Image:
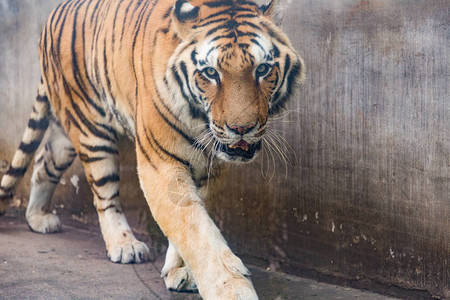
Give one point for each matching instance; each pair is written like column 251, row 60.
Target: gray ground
column 73, row 265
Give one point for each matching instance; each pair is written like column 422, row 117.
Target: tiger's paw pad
column 129, row 252
column 180, row 280
column 44, row 223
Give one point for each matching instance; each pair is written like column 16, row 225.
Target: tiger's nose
column 238, row 129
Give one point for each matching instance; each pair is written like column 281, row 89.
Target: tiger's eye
column 262, row 70
column 211, row 72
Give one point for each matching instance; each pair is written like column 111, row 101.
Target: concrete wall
column 366, row 198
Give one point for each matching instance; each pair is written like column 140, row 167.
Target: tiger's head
column 234, row 68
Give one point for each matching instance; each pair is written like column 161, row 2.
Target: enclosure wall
column 364, row 192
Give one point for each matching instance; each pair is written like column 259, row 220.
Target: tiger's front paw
column 180, row 280
column 238, row 289
column 231, row 280
column 129, row 252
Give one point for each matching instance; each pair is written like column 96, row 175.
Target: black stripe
column 290, row 85
column 41, row 124
column 71, row 118
column 254, row 41
column 83, row 34
column 275, row 81
column 273, row 34
column 49, row 173
column 287, row 65
column 125, row 21
column 107, row 179
column 250, row 3
column 223, row 12
column 94, row 11
column 180, row 83
column 152, row 144
column 63, row 167
column 137, row 29
column 146, row 155
column 275, row 51
column 186, row 163
column 43, row 98
column 168, row 13
column 228, row 36
column 29, row 148
column 138, row 22
column 86, row 159
column 16, row 172
column 54, row 181
column 76, row 68
column 246, row 33
column 213, row 4
column 108, row 207
column 194, row 57
column 114, row 24
column 97, row 28
column 210, row 22
column 209, row 52
column 106, row 72
column 144, row 37
column 115, row 195
column 247, row 16
column 232, row 13
column 198, row 87
column 94, row 130
column 136, row 7
column 186, row 77
column 251, row 25
column 106, row 149
column 217, row 28
column 231, row 25
column 183, row 134
column 109, row 129
column 61, row 29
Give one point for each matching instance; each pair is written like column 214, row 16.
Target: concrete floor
column 73, row 265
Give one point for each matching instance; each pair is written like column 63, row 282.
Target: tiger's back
column 88, row 51
column 194, row 85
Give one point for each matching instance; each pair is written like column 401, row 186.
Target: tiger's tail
column 32, row 137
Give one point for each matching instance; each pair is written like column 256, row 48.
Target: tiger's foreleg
column 219, row 274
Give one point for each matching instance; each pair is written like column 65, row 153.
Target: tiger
column 193, row 84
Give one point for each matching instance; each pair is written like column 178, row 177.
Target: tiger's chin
column 239, row 152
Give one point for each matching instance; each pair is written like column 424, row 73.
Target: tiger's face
column 236, row 70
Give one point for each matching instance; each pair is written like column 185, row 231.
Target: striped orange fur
column 192, row 83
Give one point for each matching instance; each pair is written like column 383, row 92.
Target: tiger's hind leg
column 100, row 159
column 50, row 164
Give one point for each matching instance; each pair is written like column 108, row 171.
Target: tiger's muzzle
column 240, row 143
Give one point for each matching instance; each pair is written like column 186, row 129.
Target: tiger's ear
column 185, row 15
column 274, row 10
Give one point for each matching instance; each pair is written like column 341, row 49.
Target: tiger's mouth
column 241, row 150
